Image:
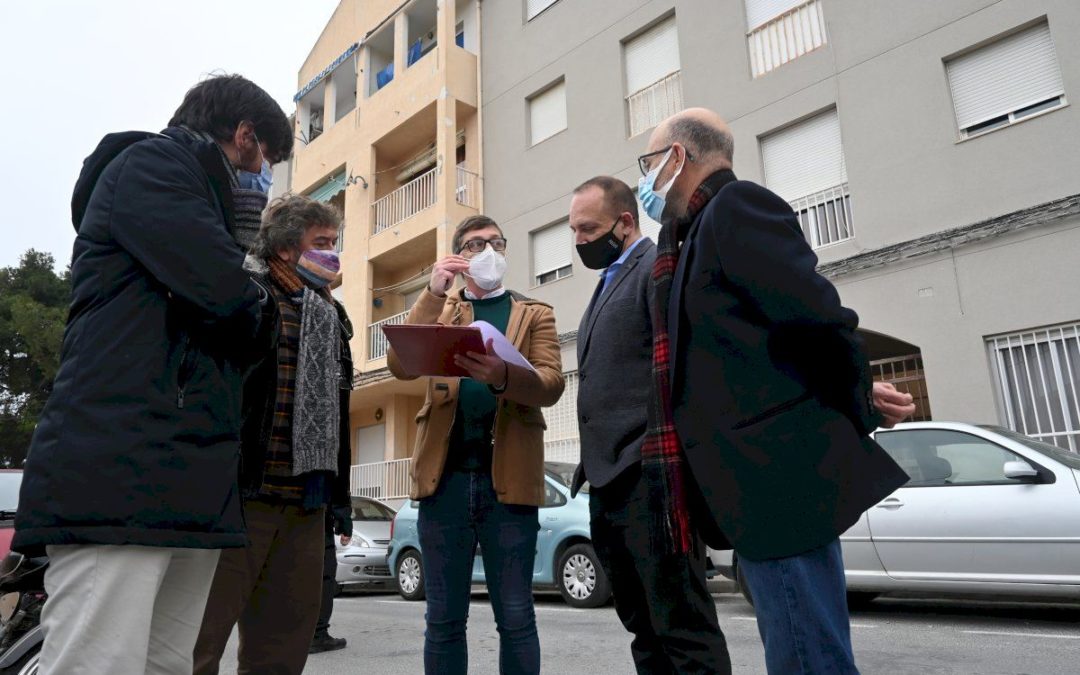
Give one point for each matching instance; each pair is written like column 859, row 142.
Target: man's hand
column 488, row 368
column 343, row 523
column 895, row 405
column 443, row 273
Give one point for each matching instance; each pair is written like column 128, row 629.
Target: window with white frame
column 1006, row 81
column 779, row 31
column 1037, row 374
column 534, row 7
column 552, row 253
column 547, row 113
column 562, row 439
column 804, row 164
column 653, row 83
column 649, row 227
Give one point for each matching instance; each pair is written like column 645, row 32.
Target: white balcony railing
column 825, row 216
column 468, row 188
column 377, row 342
column 404, row 202
column 787, row 37
column 381, row 480
column 655, row 103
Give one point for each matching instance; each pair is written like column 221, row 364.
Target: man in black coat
column 770, row 391
column 130, row 485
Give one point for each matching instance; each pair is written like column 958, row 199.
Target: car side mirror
column 1021, row 471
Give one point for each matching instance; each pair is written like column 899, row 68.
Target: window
column 1006, row 81
column 551, row 252
column 779, row 31
column 534, row 7
column 1037, row 375
column 562, row 438
column 552, row 496
column 936, row 457
column 804, row 164
column 547, row 113
column 653, row 85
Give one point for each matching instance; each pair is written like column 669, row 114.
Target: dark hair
column 471, row 224
column 704, row 141
column 617, row 194
column 287, row 219
column 218, row 105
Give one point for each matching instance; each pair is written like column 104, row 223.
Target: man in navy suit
column 771, row 397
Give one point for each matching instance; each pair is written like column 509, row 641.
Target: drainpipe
column 480, row 101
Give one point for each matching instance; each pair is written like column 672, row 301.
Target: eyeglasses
column 643, row 160
column 498, row 244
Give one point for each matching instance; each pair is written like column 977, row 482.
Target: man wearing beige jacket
column 478, row 465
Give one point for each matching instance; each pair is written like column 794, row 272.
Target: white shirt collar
column 469, row 295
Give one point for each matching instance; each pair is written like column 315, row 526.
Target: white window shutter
column 649, row 227
column 534, row 7
column 760, row 12
column 652, row 56
column 805, row 158
column 547, row 113
column 551, row 249
column 1010, row 74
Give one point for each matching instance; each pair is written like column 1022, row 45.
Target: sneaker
column 322, row 642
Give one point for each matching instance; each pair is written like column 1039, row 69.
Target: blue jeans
column 802, row 612
column 463, row 512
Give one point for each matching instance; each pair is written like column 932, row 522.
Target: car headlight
column 358, row 540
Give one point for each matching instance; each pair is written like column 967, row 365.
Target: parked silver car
column 363, row 561
column 987, row 511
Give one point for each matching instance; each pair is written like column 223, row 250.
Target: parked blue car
column 564, row 554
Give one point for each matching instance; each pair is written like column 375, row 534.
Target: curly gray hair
column 286, row 220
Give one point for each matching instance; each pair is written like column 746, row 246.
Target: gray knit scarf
column 317, row 406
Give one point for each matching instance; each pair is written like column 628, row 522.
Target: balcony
column 786, row 37
column 405, row 202
column 468, row 188
column 825, row 216
column 381, row 480
column 655, row 103
column 377, row 342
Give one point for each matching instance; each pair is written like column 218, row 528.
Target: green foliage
column 33, row 309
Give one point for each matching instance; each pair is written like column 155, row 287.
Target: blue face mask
column 256, row 181
column 653, row 200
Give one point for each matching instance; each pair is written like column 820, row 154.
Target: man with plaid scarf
column 762, row 401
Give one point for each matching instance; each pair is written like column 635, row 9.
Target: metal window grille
column 381, row 480
column 825, row 217
column 655, row 103
column 561, row 440
column 1038, row 376
column 786, row 37
column 468, row 188
column 907, row 375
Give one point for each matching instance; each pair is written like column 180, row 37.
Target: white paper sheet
column 503, row 347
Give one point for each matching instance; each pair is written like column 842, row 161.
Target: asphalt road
column 893, row 636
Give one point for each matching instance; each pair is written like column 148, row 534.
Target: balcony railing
column 381, row 480
column 404, row 202
column 655, row 103
column 825, row 216
column 377, row 342
column 468, row 188
column 787, row 37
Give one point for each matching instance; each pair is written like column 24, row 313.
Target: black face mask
column 601, row 252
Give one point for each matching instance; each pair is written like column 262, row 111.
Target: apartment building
column 387, row 123
column 929, row 149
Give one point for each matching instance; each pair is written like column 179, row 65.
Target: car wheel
column 410, row 576
column 740, row 580
column 581, row 580
column 27, row 665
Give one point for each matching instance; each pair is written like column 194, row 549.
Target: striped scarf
column 662, row 461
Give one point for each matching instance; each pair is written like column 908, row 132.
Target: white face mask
column 487, row 269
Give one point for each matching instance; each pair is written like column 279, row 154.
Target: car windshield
column 9, row 491
column 563, row 472
column 364, row 509
column 1069, row 459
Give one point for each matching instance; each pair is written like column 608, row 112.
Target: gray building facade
column 930, row 149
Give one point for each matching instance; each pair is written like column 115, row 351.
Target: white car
column 987, row 511
column 363, row 561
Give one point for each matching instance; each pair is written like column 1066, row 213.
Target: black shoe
column 322, row 642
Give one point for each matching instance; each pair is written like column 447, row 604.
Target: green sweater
column 471, row 437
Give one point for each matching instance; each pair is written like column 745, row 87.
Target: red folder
column 430, row 349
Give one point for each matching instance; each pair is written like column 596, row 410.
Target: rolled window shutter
column 547, row 113
column 805, row 158
column 534, row 7
column 652, row 56
column 1003, row 77
column 551, row 249
column 760, row 12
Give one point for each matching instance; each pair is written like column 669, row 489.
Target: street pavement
column 893, row 635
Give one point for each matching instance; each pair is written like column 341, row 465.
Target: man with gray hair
column 762, row 401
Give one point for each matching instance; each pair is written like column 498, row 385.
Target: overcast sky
column 75, row 70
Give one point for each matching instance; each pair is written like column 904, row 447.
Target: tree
column 33, row 308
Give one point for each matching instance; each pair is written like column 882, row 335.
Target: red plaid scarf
column 662, row 460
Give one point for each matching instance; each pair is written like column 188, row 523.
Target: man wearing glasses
column 478, row 464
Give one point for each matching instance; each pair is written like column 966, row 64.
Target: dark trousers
column 271, row 587
column 661, row 598
column 462, row 513
column 329, row 578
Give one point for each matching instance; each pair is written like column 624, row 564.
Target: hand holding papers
column 503, row 347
